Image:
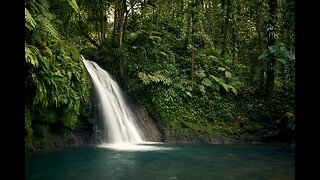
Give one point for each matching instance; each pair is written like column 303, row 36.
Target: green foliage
column 30, row 22
column 74, row 5
column 157, row 55
column 281, row 54
column 280, row 51
column 47, row 27
column 28, row 130
column 69, row 120
column 221, row 82
column 154, row 77
column 55, row 75
column 31, row 55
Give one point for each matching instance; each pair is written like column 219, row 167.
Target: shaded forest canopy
column 199, row 66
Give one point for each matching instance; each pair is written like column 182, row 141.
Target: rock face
column 214, row 138
column 150, row 127
column 283, row 130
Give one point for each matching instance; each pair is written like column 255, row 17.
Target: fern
column 49, row 28
column 43, row 5
column 30, row 23
column 53, row 67
column 30, row 55
column 154, row 77
column 74, row 5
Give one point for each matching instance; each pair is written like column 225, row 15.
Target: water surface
column 164, row 161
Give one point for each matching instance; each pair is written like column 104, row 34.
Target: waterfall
column 119, row 122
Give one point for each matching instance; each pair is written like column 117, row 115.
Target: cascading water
column 119, row 123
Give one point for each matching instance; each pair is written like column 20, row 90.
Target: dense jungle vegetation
column 199, row 66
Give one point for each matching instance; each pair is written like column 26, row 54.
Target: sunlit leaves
column 188, row 93
column 221, row 69
column 227, row 74
column 31, row 55
column 74, row 5
column 200, row 73
column 202, row 89
column 155, row 39
column 30, row 23
column 154, row 77
column 206, row 82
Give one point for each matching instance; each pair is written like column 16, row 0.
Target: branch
column 86, row 35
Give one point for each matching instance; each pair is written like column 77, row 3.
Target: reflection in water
column 134, row 147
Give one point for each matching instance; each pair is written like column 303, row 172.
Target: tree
column 121, row 12
column 271, row 34
column 225, row 25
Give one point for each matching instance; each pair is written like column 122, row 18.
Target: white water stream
column 119, row 123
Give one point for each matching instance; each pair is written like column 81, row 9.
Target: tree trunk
column 123, row 10
column 142, row 8
column 271, row 41
column 102, row 21
column 159, row 6
column 120, row 15
column 222, row 22
column 234, row 33
column 192, row 21
column 192, row 64
column 225, row 30
column 270, row 82
column 258, row 28
column 115, row 32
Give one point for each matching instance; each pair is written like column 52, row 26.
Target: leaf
column 264, row 55
column 74, row 5
column 49, row 28
column 202, row 89
column 30, row 23
column 155, row 39
column 227, row 74
column 225, row 87
column 218, row 80
column 216, row 87
column 31, row 53
column 213, row 58
column 163, row 53
column 273, row 49
column 289, row 55
column 221, row 68
column 189, row 93
column 234, row 90
column 283, row 61
column 261, row 69
column 145, row 79
column 207, row 82
column 200, row 73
